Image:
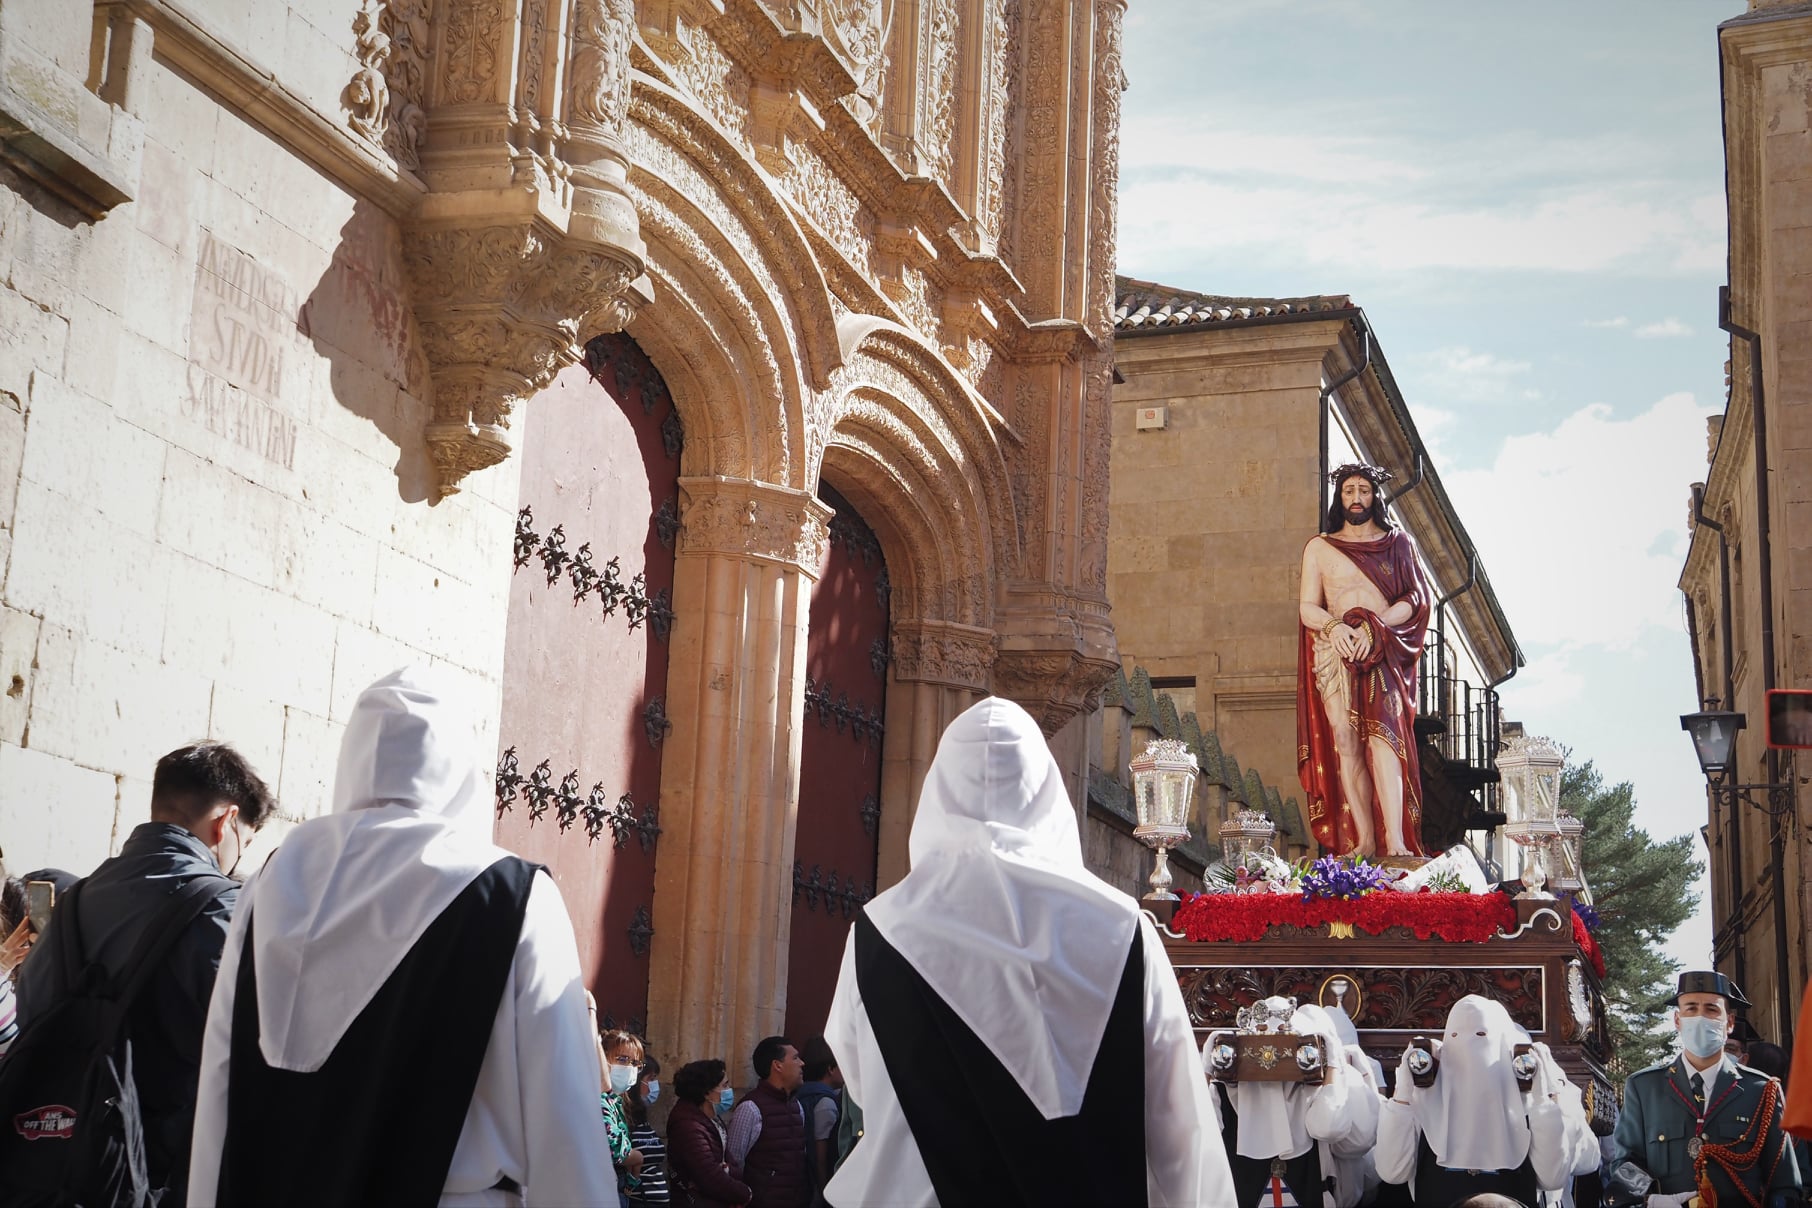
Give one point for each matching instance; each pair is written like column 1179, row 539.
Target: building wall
column 212, row 483
column 1768, row 141
column 1208, row 520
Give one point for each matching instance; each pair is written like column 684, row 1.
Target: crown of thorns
column 1376, row 475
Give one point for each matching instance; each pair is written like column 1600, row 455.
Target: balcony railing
column 1461, row 720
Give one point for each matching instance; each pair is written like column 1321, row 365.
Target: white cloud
column 1192, row 188
column 1667, row 328
column 1583, row 528
column 1619, row 321
column 1459, row 373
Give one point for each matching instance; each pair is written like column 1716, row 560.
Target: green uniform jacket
column 1657, row 1121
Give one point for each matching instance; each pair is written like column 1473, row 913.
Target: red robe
column 1383, row 694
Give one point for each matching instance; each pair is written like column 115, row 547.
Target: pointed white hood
column 1474, row 1116
column 999, row 915
column 345, row 898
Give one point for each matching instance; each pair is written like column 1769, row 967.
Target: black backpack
column 71, row 1132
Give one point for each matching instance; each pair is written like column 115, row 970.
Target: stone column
column 939, row 669
column 748, row 555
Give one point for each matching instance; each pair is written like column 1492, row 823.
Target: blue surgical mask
column 622, row 1077
column 654, row 1092
column 726, row 1099
column 1702, row 1036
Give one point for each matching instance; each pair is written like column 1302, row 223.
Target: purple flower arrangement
column 1586, row 914
column 1347, row 880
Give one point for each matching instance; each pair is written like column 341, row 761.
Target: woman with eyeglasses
column 622, row 1065
column 696, row 1171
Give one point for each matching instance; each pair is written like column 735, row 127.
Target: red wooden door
column 840, row 763
column 585, row 659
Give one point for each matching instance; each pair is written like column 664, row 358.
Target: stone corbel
column 898, row 247
column 668, row 24
column 780, row 117
column 755, row 521
column 1052, row 685
column 967, row 319
column 521, row 252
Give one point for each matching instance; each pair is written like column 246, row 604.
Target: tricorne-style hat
column 1705, row 981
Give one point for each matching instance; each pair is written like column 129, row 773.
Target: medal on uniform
column 1278, row 1166
column 1694, row 1145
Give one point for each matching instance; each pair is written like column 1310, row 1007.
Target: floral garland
column 1455, row 917
column 1586, row 941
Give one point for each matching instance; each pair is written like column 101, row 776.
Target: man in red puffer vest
column 767, row 1130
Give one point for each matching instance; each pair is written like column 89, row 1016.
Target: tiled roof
column 1146, row 304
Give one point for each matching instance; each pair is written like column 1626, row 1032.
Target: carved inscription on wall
column 241, row 343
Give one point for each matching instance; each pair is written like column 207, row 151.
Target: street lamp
column 1531, row 768
column 1714, row 734
column 1164, row 777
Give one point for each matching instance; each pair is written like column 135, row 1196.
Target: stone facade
column 281, row 280
column 1218, row 486
column 1748, row 575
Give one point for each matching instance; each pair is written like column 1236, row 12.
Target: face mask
column 726, row 1099
column 654, row 1093
column 1702, row 1036
column 622, row 1077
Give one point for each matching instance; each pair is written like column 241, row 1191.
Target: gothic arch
column 741, row 302
column 902, row 428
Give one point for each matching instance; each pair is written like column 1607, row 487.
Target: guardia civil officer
column 1701, row 1124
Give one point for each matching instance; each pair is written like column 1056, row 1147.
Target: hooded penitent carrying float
column 399, row 1016
column 1006, row 1020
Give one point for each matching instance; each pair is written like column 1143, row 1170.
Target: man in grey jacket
column 206, row 801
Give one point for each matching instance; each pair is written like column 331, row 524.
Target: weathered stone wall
column 212, row 478
column 1208, row 519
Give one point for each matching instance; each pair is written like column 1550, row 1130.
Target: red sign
column 54, row 1120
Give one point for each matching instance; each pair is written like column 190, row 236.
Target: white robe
column 1281, row 1120
column 345, row 899
column 1006, row 925
column 1475, row 1117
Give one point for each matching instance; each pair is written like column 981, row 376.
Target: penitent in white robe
column 1002, row 920
column 345, row 899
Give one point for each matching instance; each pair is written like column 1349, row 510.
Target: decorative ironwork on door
column 585, row 666
column 838, row 820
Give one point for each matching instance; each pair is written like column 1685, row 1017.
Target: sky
column 1527, row 200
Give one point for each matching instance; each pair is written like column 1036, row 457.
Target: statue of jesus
column 1364, row 607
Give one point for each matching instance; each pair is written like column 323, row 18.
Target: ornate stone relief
column 367, row 97
column 994, row 129
column 824, row 197
column 474, row 28
column 1104, row 169
column 939, row 122
column 1053, row 685
column 755, row 520
column 936, row 652
column 601, row 37
column 858, row 30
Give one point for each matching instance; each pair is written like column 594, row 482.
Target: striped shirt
column 650, row 1186
column 9, row 1014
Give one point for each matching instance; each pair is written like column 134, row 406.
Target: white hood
column 1275, row 1117
column 999, row 915
column 1474, row 1116
column 345, row 898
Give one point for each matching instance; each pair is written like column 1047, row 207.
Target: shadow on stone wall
column 358, row 317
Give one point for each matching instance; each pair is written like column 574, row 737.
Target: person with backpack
column 820, row 1098
column 113, row 1003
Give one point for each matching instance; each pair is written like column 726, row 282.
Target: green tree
column 1642, row 890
